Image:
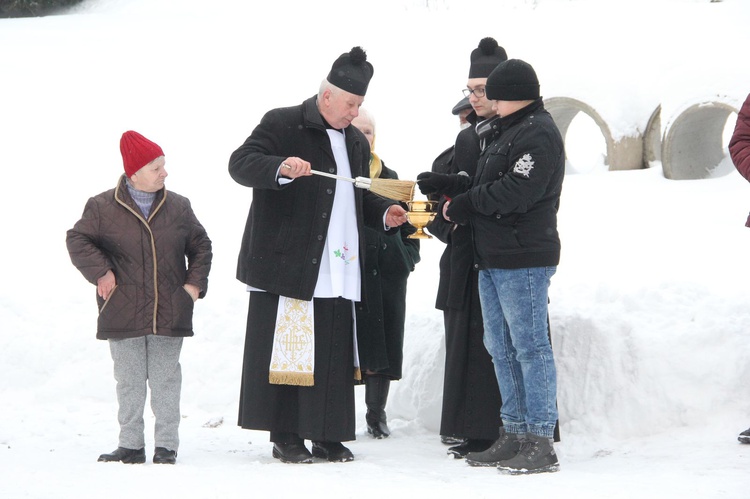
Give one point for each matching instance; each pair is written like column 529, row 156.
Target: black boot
column 335, row 452
column 504, row 448
column 536, row 455
column 376, row 395
column 290, row 448
column 163, row 455
column 294, row 453
column 127, row 456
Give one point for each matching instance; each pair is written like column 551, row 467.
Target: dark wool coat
column 513, row 202
column 147, row 258
column 281, row 249
column 458, row 259
column 287, row 224
column 739, row 145
column 389, row 260
column 471, row 397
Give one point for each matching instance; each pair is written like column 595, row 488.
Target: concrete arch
column 624, row 154
column 692, row 146
column 652, row 138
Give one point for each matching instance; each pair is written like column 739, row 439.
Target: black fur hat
column 351, row 72
column 486, row 57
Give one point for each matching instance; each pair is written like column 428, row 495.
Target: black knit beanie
column 485, row 58
column 351, row 72
column 512, row 80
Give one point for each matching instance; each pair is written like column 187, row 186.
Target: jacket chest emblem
column 524, row 165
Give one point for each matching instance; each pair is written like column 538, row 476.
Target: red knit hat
column 137, row 151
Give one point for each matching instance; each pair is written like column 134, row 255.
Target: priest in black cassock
column 302, row 260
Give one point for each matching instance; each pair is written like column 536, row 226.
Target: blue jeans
column 514, row 308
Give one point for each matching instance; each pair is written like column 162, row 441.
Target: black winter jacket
column 515, row 193
column 287, row 224
column 457, row 261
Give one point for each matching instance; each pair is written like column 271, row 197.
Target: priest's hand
column 294, row 167
column 395, row 216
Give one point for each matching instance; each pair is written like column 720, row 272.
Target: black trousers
column 323, row 412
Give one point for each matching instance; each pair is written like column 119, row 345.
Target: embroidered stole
column 293, row 355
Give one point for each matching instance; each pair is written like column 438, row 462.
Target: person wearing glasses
column 511, row 205
column 470, row 415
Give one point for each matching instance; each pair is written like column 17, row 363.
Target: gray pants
column 154, row 360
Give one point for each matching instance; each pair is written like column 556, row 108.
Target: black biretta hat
column 351, row 72
column 486, row 57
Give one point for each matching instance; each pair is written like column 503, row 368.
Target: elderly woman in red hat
column 132, row 243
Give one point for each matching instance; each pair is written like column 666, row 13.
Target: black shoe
column 164, row 456
column 335, row 452
column 295, row 453
column 744, row 437
column 376, row 396
column 127, row 456
column 469, row 445
column 449, row 440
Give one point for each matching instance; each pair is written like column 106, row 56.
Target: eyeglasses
column 478, row 92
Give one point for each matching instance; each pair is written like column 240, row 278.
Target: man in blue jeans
column 511, row 204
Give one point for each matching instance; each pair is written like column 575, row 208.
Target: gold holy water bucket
column 419, row 215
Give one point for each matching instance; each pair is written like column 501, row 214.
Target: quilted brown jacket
column 147, row 257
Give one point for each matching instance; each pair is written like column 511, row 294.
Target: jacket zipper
column 153, row 250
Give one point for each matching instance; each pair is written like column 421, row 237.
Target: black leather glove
column 443, row 183
column 459, row 210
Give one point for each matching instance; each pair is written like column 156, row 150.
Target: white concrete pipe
column 652, row 138
column 692, row 146
column 626, row 153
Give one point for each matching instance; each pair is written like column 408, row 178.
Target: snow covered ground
column 649, row 308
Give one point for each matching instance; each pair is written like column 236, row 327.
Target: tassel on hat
column 137, row 151
column 351, row 72
column 486, row 57
column 513, row 80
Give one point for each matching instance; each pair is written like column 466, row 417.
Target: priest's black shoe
column 164, row 456
column 127, row 456
column 469, row 445
column 335, row 452
column 295, row 453
column 449, row 440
